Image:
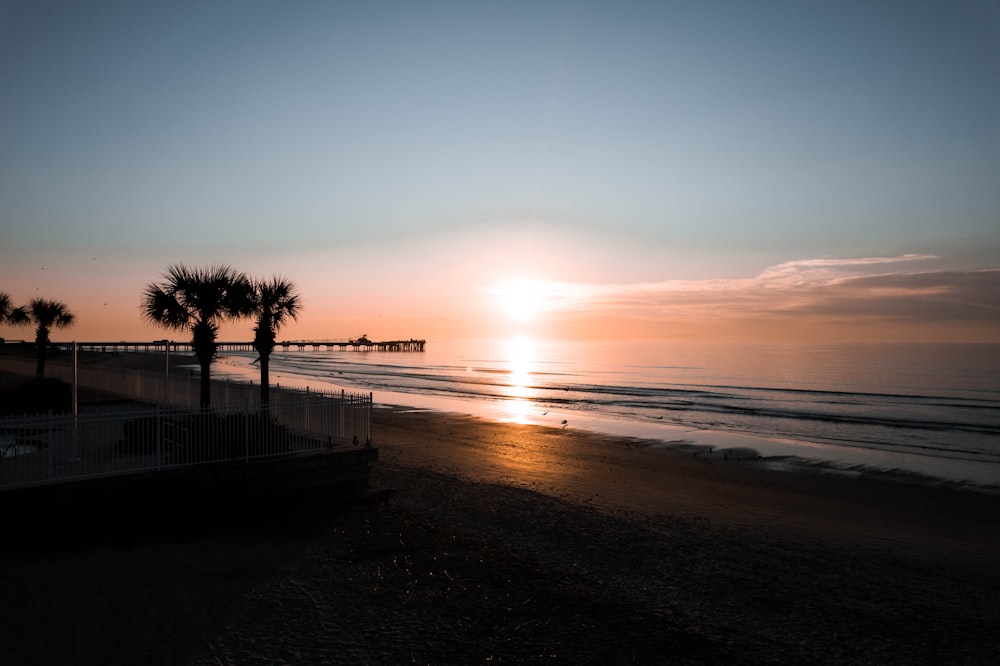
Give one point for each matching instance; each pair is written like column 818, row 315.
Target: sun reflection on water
column 521, row 362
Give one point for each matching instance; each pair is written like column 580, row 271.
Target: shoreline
column 797, row 455
column 827, row 457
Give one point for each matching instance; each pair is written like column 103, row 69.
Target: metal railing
column 170, row 430
column 59, row 447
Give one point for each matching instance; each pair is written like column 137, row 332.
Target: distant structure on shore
column 361, row 343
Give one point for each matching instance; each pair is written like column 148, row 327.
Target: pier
column 355, row 344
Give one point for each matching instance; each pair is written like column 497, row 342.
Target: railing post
column 75, row 457
column 159, row 438
column 246, row 434
column 371, row 416
column 76, row 382
column 49, row 446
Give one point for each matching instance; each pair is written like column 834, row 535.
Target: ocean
column 918, row 411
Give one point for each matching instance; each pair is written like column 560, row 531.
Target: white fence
column 174, row 433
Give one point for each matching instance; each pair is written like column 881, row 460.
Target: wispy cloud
column 888, row 287
column 815, row 271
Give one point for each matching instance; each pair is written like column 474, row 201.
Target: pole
column 76, row 403
column 167, row 355
column 76, row 373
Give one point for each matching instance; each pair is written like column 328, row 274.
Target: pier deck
column 360, row 344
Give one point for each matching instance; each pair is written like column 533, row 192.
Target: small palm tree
column 45, row 314
column 8, row 313
column 198, row 300
column 275, row 301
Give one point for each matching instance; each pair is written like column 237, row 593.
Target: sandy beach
column 519, row 544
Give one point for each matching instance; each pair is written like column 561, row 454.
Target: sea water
column 928, row 410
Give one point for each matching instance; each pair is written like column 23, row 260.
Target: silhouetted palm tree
column 5, row 306
column 8, row 313
column 198, row 300
column 45, row 314
column 275, row 301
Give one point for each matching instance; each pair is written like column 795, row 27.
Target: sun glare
column 519, row 299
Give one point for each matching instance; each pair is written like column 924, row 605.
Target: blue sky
column 428, row 150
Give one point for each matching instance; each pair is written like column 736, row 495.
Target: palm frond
column 161, row 307
column 47, row 313
column 9, row 314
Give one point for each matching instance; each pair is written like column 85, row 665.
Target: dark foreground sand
column 516, row 544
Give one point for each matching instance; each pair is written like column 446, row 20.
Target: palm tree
column 45, row 314
column 198, row 300
column 8, row 313
column 275, row 301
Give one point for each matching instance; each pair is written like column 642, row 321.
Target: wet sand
column 520, row 544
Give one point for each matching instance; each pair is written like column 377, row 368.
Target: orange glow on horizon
column 505, row 294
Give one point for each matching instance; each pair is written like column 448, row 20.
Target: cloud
column 855, row 290
column 813, row 271
column 939, row 295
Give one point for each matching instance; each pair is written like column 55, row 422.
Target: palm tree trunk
column 40, row 366
column 206, row 381
column 41, row 348
column 265, row 379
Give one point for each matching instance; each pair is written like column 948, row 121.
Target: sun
column 520, row 300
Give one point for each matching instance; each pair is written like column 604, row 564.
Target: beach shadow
column 141, row 594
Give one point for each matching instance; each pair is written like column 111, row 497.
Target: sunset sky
column 657, row 170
